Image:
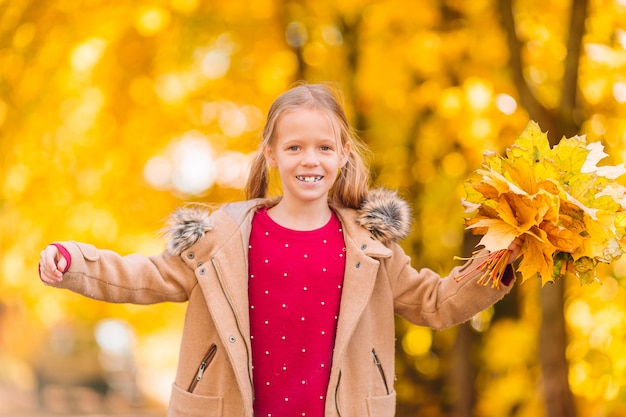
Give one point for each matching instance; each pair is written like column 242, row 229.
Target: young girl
column 291, row 300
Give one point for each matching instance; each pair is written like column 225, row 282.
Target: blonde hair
column 351, row 186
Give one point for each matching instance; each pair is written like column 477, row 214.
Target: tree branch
column 535, row 109
column 568, row 123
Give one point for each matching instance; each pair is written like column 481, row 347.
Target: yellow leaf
column 518, row 212
column 499, row 234
column 536, row 258
column 563, row 239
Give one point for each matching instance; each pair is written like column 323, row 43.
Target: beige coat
column 206, row 265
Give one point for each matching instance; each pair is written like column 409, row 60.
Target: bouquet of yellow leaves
column 570, row 212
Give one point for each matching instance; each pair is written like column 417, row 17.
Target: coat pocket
column 186, row 404
column 206, row 361
column 384, row 406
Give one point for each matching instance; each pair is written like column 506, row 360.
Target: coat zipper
column 380, row 369
column 337, row 395
column 205, row 362
column 230, row 303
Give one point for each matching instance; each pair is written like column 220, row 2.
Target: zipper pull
column 376, row 361
column 380, row 369
column 201, row 371
column 205, row 362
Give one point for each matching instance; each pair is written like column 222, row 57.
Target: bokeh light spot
column 417, row 341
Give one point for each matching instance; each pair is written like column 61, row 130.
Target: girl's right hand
column 51, row 265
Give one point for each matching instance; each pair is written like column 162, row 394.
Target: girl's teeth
column 309, row 179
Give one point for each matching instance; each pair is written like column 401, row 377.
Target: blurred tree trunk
column 462, row 374
column 561, row 122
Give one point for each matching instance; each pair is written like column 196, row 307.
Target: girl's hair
column 351, row 186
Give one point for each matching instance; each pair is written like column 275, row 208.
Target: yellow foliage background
column 114, row 113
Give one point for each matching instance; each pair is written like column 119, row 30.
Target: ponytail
column 258, row 179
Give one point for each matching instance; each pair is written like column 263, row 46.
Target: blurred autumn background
column 114, row 113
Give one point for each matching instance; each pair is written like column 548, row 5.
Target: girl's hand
column 51, row 265
column 515, row 248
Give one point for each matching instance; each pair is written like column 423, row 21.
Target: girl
column 291, row 300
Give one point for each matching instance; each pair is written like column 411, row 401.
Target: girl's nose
column 310, row 158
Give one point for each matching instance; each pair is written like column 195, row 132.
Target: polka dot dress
column 295, row 280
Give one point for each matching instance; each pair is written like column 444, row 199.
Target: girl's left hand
column 515, row 247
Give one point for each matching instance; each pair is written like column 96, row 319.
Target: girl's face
column 306, row 152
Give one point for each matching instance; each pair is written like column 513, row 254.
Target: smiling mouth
column 309, row 179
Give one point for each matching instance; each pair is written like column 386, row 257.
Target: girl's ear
column 269, row 157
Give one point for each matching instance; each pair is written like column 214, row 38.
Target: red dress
column 295, row 281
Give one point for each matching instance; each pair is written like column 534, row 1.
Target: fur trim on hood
column 383, row 213
column 185, row 227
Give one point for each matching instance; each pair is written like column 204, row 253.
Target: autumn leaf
column 536, row 257
column 569, row 211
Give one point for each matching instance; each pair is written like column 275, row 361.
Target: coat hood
column 383, row 213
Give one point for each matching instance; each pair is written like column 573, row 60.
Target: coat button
column 202, row 271
column 358, row 264
column 232, row 339
column 363, row 247
column 190, row 255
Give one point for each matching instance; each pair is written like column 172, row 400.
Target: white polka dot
column 323, row 303
column 341, row 255
column 284, row 368
column 249, row 246
column 267, row 322
column 302, row 319
column 303, row 383
column 285, row 274
column 251, row 307
column 339, row 286
column 283, row 337
column 286, row 399
column 251, row 275
column 324, row 240
column 306, row 256
column 286, row 245
column 321, row 397
column 267, row 383
column 323, row 332
column 323, row 269
column 303, row 350
column 267, row 260
column 267, row 292
column 267, row 233
column 305, row 288
column 284, row 305
column 267, row 352
column 322, row 365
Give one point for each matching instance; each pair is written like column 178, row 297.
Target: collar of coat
column 383, row 213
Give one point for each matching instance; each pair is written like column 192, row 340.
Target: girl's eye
column 326, row 148
column 294, row 148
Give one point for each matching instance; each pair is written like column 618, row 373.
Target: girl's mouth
column 309, row 179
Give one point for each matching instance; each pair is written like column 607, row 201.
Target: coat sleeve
column 425, row 298
column 105, row 275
